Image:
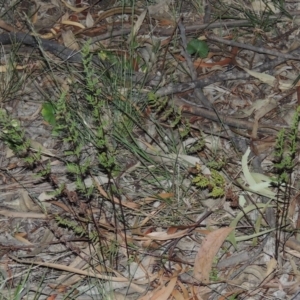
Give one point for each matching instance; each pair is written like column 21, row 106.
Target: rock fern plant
column 284, row 164
column 13, row 135
column 84, row 128
column 286, row 148
column 214, row 182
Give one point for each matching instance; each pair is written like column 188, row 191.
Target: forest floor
column 149, row 150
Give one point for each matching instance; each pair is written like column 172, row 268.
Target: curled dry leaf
column 76, row 24
column 271, row 80
column 257, row 185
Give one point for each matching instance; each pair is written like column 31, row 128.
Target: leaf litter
column 145, row 231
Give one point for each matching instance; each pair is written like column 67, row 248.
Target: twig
column 212, row 115
column 198, row 92
column 188, row 29
column 207, row 12
column 89, row 273
column 251, row 48
column 168, row 31
column 203, row 82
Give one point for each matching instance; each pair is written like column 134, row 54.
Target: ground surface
column 140, row 163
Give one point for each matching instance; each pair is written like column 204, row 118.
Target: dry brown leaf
column 184, row 290
column 263, row 6
column 4, row 69
column 49, row 35
column 293, row 252
column 40, row 148
column 7, row 27
column 165, row 195
column 265, row 107
column 161, row 12
column 137, row 26
column 271, row 266
column 20, row 237
column 138, row 225
column 207, row 252
column 172, row 230
column 34, row 17
column 65, row 17
column 254, row 130
column 57, row 203
column 128, row 204
column 262, row 146
column 177, row 295
column 163, row 293
column 78, row 10
column 161, row 6
column 69, row 40
column 259, row 108
column 89, row 20
column 45, row 196
column 263, row 77
column 271, row 80
column 164, row 236
column 78, row 263
column 26, row 203
column 294, row 267
column 72, row 23
column 150, row 244
column 15, row 214
column 201, row 292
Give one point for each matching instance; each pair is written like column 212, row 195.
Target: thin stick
column 198, row 92
column 89, row 273
column 252, row 48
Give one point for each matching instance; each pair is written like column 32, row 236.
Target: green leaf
column 48, row 113
column 199, row 48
